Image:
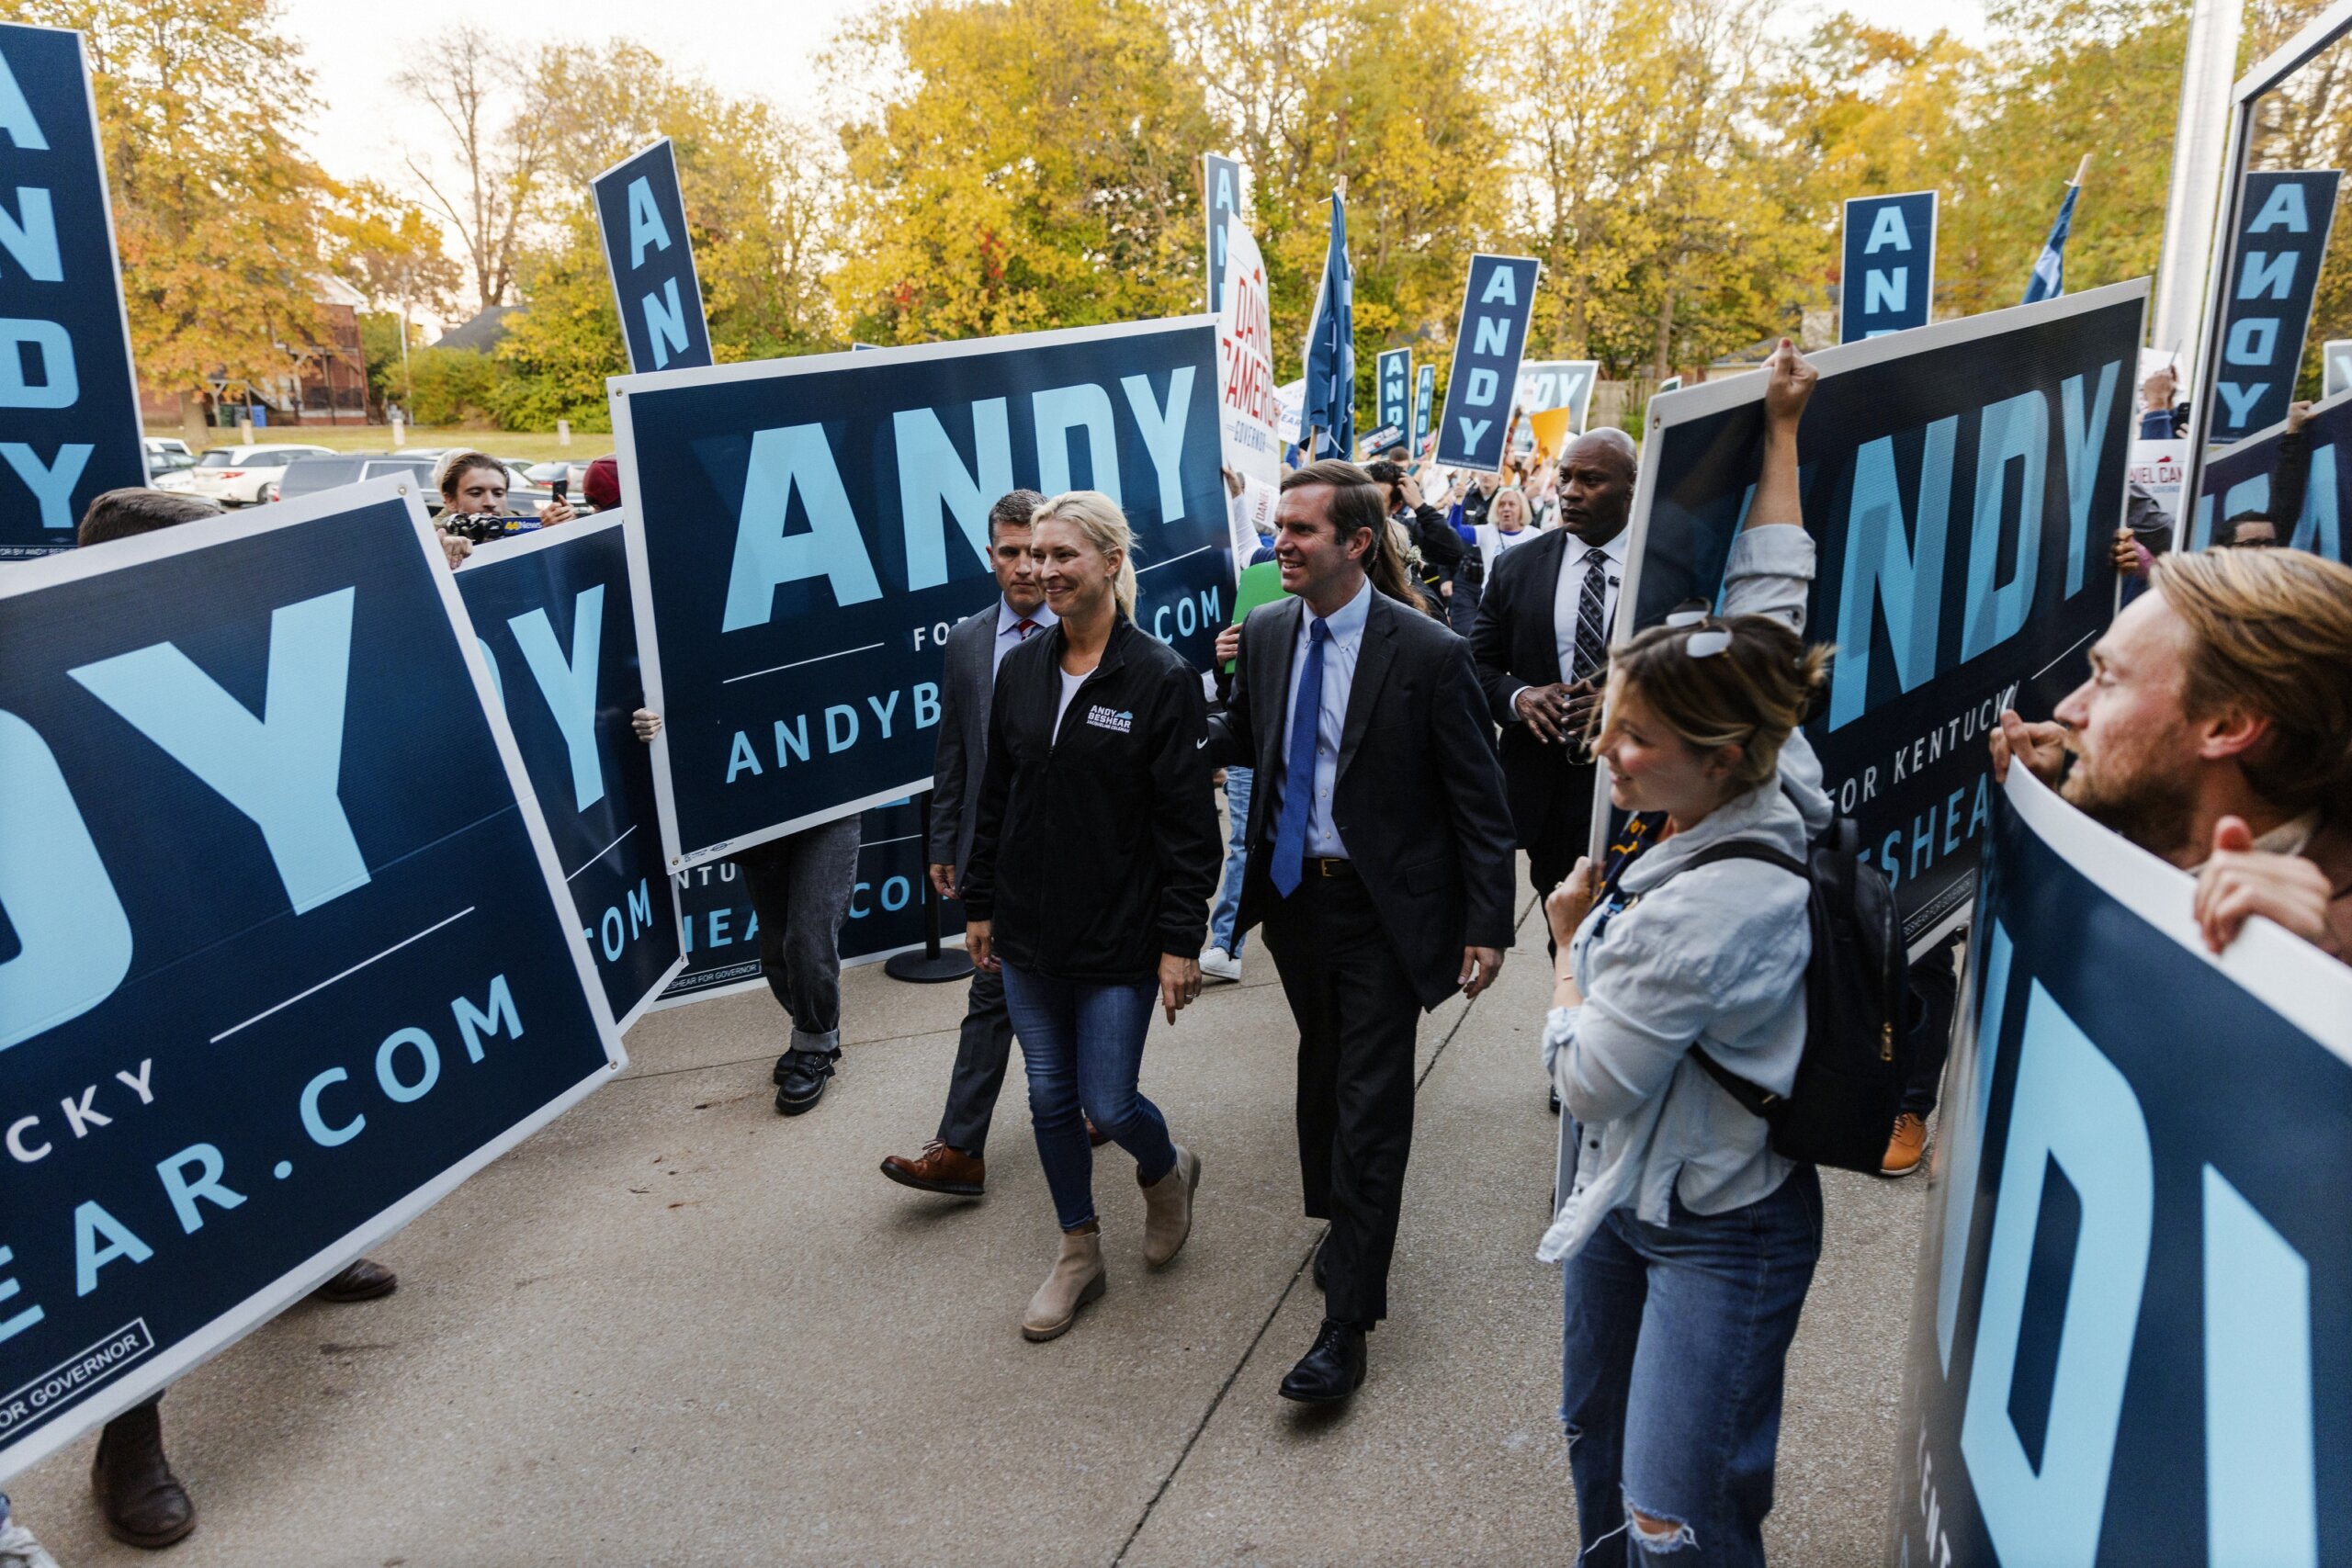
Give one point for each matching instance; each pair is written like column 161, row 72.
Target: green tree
column 758, row 205
column 1032, row 163
column 216, row 208
column 1397, row 96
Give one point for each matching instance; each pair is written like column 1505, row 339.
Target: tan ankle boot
column 1167, row 1209
column 1077, row 1279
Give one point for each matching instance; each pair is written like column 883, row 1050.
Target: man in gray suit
column 951, row 1163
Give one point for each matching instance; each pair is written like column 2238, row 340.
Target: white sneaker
column 1220, row 964
column 19, row 1550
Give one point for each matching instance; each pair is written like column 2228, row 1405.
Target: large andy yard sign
column 69, row 411
column 804, row 532
column 552, row 612
column 1962, row 481
column 287, row 951
column 2131, row 1344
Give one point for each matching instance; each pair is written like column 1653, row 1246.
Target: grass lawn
column 530, row 447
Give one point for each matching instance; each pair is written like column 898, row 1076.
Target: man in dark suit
column 1380, row 862
column 952, row 1162
column 1541, row 645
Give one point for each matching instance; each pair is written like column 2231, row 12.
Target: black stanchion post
column 934, row 965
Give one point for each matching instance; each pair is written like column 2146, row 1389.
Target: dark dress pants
column 980, row 1056
column 1935, row 998
column 1357, row 1017
column 1565, row 835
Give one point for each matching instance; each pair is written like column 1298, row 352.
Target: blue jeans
column 1083, row 1048
column 1227, row 913
column 1675, row 1340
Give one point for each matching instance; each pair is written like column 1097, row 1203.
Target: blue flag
column 2049, row 272
column 1331, row 406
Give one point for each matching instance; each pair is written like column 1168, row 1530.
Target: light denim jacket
column 1717, row 957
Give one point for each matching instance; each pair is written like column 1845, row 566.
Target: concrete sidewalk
column 677, row 1328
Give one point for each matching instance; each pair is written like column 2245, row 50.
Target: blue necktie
column 1298, row 780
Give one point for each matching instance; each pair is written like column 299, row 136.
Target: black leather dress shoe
column 1332, row 1370
column 800, row 1079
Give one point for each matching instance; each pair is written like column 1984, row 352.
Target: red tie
column 1024, row 628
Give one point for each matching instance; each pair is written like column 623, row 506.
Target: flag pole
column 2082, row 172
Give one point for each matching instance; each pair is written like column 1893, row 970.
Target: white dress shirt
column 1008, row 637
column 1346, row 625
column 1564, row 606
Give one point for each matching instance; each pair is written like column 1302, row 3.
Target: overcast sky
column 742, row 46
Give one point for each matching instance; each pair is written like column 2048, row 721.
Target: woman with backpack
column 1688, row 1243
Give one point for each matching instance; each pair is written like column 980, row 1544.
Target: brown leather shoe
column 363, row 1282
column 143, row 1503
column 1905, row 1150
column 940, row 1169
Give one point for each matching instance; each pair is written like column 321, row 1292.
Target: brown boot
column 143, row 1501
column 1077, row 1279
column 1167, row 1209
column 1905, row 1148
column 363, row 1282
column 939, row 1169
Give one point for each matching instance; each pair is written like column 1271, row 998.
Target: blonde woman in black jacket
column 1092, row 867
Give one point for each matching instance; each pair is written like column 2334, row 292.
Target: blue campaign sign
column 2284, row 220
column 551, row 610
column 1394, row 376
column 884, row 910
column 69, row 406
column 806, row 531
column 2239, row 480
column 641, row 214
column 2129, row 1343
column 1220, row 199
column 1487, row 346
column 1961, row 483
column 1424, row 397
column 1889, row 278
column 287, row 952
column 1547, row 384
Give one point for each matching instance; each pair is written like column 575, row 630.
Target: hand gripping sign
column 2130, row 1342
column 287, row 955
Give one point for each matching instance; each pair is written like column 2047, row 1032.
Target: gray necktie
column 1592, row 630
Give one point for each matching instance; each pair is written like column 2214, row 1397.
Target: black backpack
column 1857, row 1061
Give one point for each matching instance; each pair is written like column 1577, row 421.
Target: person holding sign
column 144, row 1504
column 1089, row 882
column 2212, row 733
column 1688, row 1244
column 1379, row 859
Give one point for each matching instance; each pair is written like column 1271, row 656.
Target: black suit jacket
column 966, row 684
column 1515, row 645
column 1417, row 797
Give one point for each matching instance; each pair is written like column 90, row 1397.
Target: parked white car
column 235, row 476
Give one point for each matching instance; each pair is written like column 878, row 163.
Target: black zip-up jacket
column 1096, row 851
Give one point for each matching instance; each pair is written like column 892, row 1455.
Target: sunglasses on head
column 1703, row 644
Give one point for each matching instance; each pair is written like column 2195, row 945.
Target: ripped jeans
column 1674, row 1343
